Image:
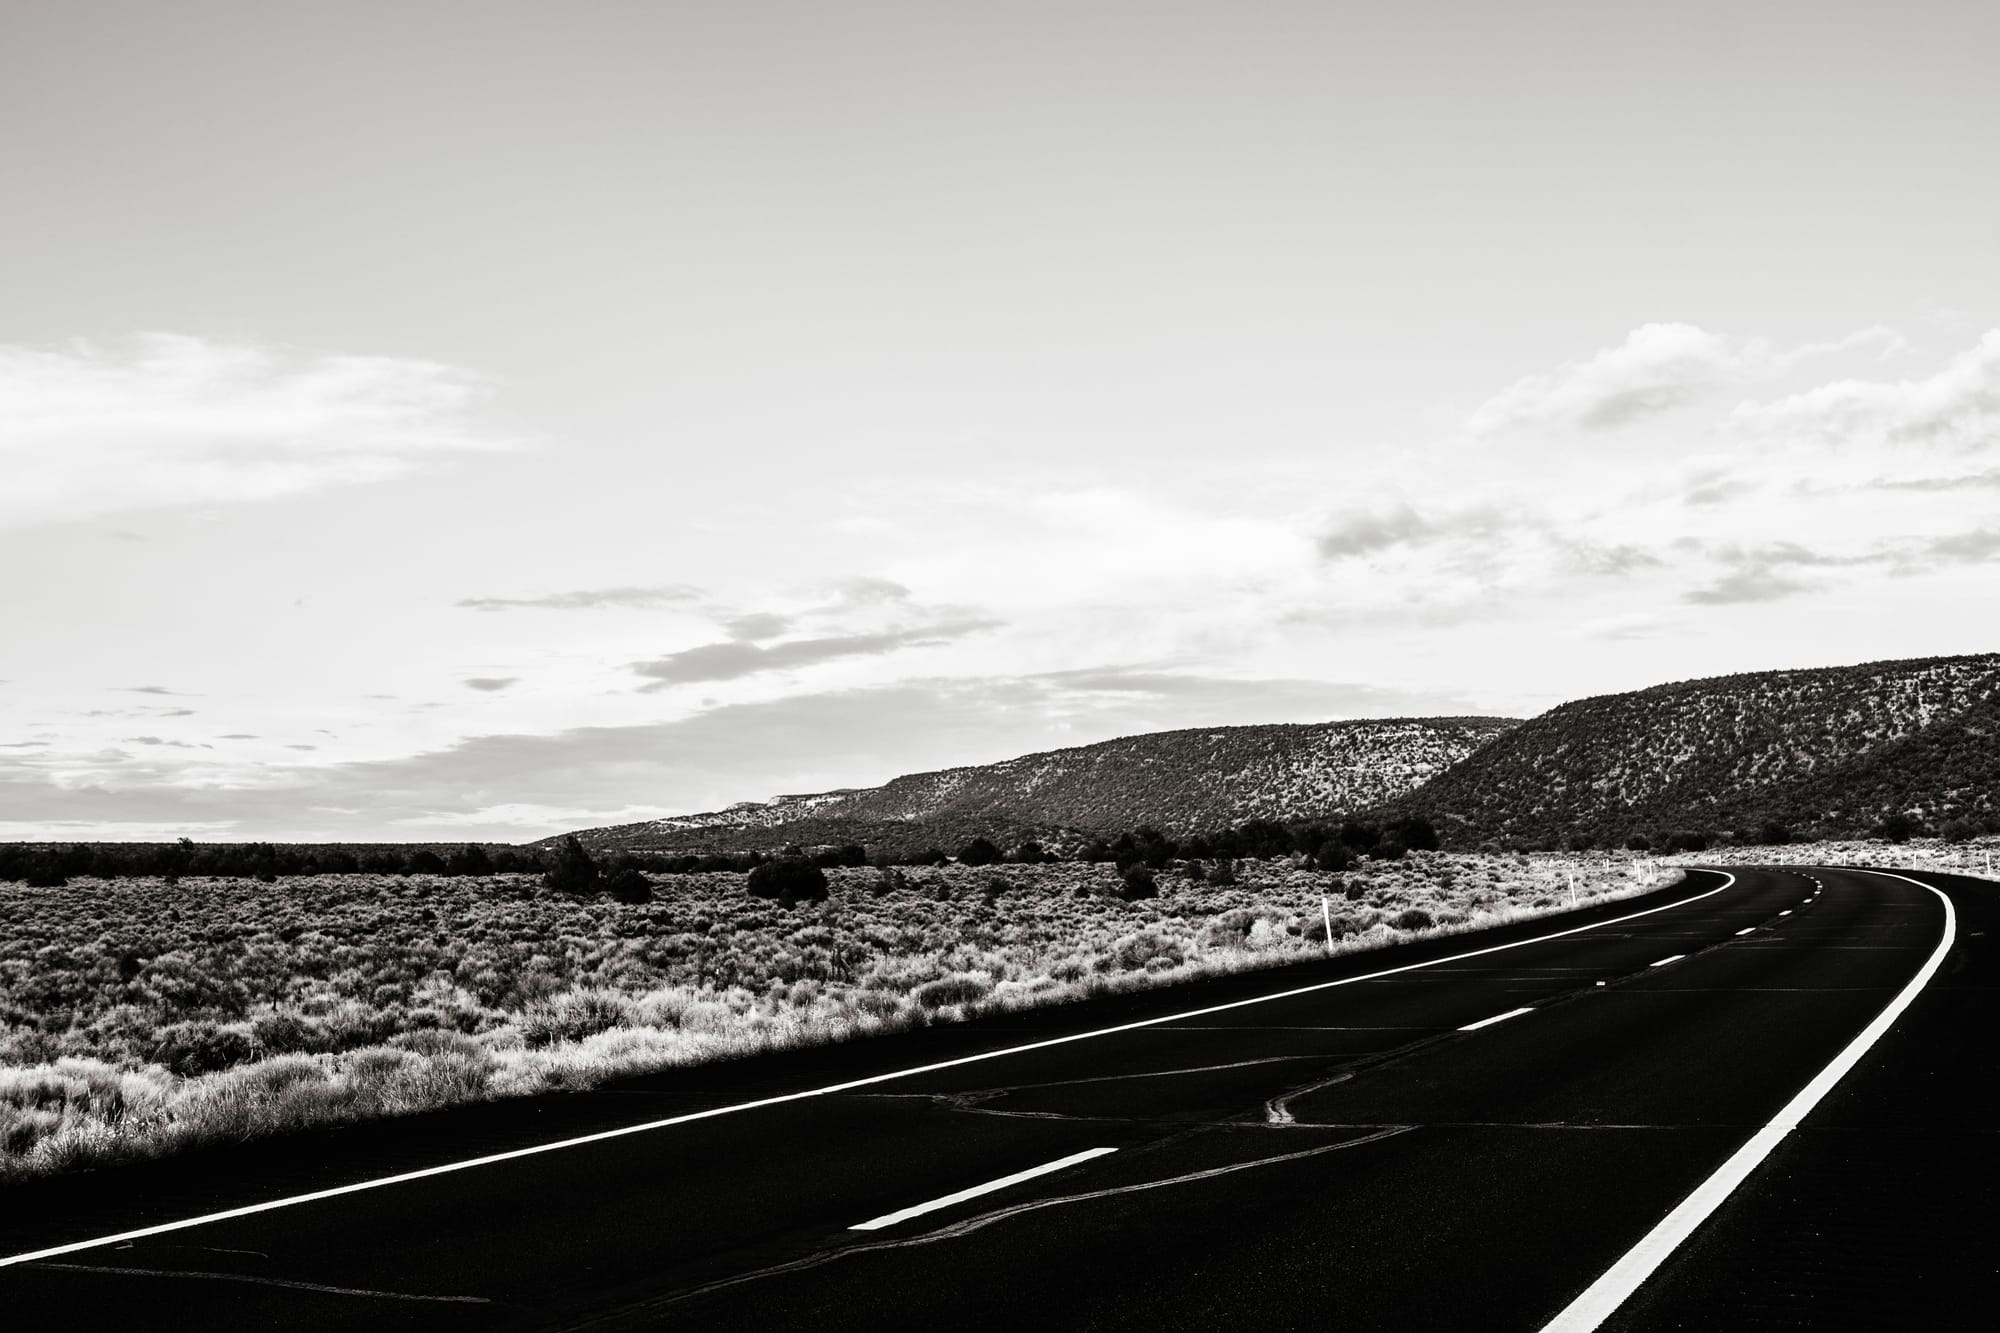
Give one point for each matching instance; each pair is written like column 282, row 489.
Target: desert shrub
column 630, row 886
column 1959, row 830
column 1896, row 827
column 202, row 1048
column 469, row 860
column 962, row 988
column 283, row 1034
column 574, row 870
column 44, row 870
column 978, row 852
column 1142, row 949
column 1415, row 833
column 1639, row 842
column 1223, row 874
column 1412, row 918
column 1389, row 849
column 1137, row 882
column 572, row 1016
column 1772, row 833
column 789, row 880
column 1332, row 855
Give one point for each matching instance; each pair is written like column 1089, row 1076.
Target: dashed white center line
column 1664, row 961
column 918, row 1210
column 1786, row 912
column 1498, row 1018
column 1746, row 930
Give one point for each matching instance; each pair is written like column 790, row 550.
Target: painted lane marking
column 918, row 1210
column 1603, row 1297
column 604, row 1135
column 1746, row 930
column 1786, row 912
column 1498, row 1018
column 1664, row 961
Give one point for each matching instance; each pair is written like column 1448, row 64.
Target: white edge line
column 425, row 1173
column 919, row 1209
column 1498, row 1018
column 1603, row 1297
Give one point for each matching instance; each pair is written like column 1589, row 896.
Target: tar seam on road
column 256, row 1281
column 946, row 1201
column 1603, row 1297
column 425, row 1173
column 1498, row 1018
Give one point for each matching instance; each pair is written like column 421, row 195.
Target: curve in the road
column 1602, row 1298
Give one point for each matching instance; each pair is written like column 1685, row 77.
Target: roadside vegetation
column 147, row 1014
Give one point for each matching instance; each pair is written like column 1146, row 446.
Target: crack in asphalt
column 969, row 1225
column 261, row 1282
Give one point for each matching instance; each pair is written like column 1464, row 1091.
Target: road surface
column 1463, row 1133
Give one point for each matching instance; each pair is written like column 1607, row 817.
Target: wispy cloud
column 1657, row 367
column 1969, row 548
column 738, row 657
column 1958, row 407
column 1371, row 530
column 166, row 419
column 489, row 684
column 1767, row 573
column 591, row 599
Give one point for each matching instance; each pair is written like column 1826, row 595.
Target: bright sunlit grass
column 138, row 1019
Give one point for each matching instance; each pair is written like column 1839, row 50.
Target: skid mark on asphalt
column 260, row 1282
column 983, row 1220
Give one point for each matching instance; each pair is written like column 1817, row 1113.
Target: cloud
column 154, row 689
column 489, row 684
column 1963, row 481
column 1958, row 407
column 738, row 658
column 1967, row 547
column 1657, row 368
column 1374, row 529
column 166, row 419
column 1364, row 533
column 590, row 599
column 757, row 625
column 1613, row 560
column 1761, row 574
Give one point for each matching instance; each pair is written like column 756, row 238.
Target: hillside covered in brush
column 1833, row 750
column 1181, row 781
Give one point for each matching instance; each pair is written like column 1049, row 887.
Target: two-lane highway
column 1464, row 1133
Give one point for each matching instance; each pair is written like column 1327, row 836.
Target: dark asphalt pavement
column 1348, row 1157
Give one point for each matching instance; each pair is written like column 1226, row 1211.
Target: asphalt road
column 1375, row 1152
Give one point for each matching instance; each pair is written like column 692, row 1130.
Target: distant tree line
column 795, row 874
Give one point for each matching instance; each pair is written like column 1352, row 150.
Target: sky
column 447, row 421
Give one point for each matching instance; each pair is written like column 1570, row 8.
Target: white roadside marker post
column 1326, row 920
column 1572, row 890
